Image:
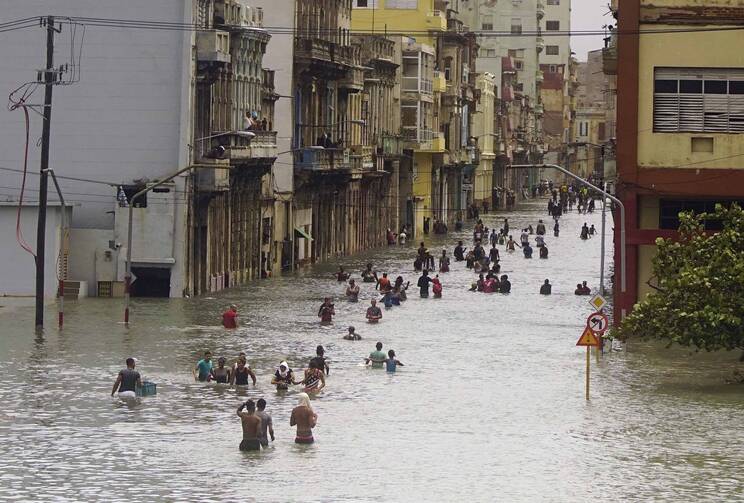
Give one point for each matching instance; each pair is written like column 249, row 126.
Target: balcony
column 423, row 140
column 440, row 83
column 361, row 160
column 316, row 51
column 215, row 177
column 319, row 159
column 392, row 146
column 540, row 10
column 416, row 85
column 609, row 60
column 213, row 46
column 260, row 148
column 354, row 80
column 436, row 21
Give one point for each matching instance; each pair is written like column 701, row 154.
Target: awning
column 302, row 233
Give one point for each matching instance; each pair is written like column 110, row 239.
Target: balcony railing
column 354, row 79
column 416, row 85
column 213, row 46
column 392, row 145
column 609, row 60
column 322, row 159
column 361, row 158
column 261, row 146
column 323, row 51
column 423, row 139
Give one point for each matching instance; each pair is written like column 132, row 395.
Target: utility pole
column 49, row 81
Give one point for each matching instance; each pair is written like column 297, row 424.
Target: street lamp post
column 605, row 195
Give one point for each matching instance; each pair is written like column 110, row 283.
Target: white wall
column 128, row 117
column 86, row 257
column 17, row 267
column 278, row 57
column 562, row 14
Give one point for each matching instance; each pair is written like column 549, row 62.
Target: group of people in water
column 257, row 423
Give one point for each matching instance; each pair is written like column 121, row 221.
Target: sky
column 588, row 15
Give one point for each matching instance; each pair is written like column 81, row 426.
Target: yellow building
column 680, row 121
column 421, row 87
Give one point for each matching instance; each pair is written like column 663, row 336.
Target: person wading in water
column 305, row 419
column 251, row 427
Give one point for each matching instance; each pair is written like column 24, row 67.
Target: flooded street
column 489, row 406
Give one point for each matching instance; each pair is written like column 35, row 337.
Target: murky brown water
column 489, row 406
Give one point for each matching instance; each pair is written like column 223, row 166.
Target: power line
column 291, row 30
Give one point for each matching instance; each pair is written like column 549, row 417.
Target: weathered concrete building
column 231, row 227
column 341, row 195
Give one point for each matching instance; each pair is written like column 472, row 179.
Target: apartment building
column 341, row 197
column 421, row 86
column 680, row 129
column 514, row 61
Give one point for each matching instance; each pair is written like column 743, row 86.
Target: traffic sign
column 597, row 302
column 588, row 338
column 597, row 322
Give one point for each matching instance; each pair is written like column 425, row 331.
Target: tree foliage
column 699, row 292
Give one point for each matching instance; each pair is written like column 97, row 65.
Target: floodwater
column 489, row 406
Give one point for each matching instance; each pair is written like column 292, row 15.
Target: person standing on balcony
column 248, row 122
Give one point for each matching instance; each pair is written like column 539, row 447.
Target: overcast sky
column 588, row 15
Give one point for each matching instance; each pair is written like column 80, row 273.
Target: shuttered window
column 696, row 100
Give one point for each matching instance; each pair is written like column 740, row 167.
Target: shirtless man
column 305, row 419
column 352, row 291
column 251, row 427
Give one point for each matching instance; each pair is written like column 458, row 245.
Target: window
column 401, row 4
column 516, row 53
column 487, row 23
column 519, row 65
column 519, row 87
column 669, row 210
column 516, row 26
column 551, row 50
column 554, row 2
column 552, row 25
column 552, row 69
column 488, row 53
column 699, row 100
column 583, row 128
column 365, row 4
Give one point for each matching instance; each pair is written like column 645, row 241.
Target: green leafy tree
column 699, row 286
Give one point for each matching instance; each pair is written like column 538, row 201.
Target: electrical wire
column 19, row 231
